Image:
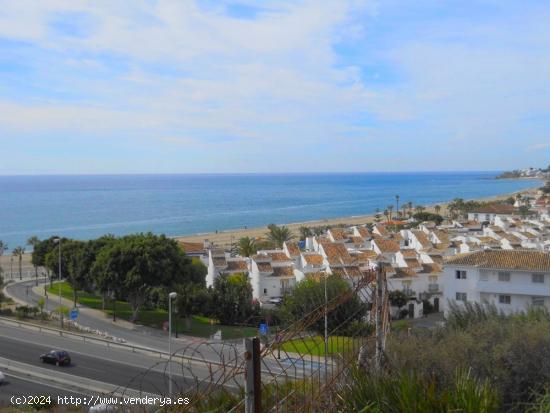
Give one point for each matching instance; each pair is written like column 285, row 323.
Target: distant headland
column 536, row 173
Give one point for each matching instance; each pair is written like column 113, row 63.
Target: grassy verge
column 197, row 326
column 315, row 346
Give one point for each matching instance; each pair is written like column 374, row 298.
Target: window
column 433, row 278
column 460, row 275
column 461, row 296
column 504, row 276
column 265, row 291
column 476, row 217
column 483, row 276
column 538, row 278
column 504, row 299
column 538, row 301
column 487, row 217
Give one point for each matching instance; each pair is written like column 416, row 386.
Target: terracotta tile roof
column 313, row 259
column 437, row 260
column 192, row 247
column 236, row 265
column 422, row 239
column 364, row 232
column 293, row 248
column 338, row 234
column 286, row 271
column 386, row 245
column 279, row 256
column 511, row 238
column 409, row 253
column 363, row 255
column 337, row 253
column 488, row 240
column 382, row 230
column 343, row 272
column 431, row 268
column 396, row 236
column 413, row 263
column 504, row 259
column 264, row 266
column 495, row 209
column 357, row 240
column 528, row 235
column 441, row 235
column 404, row 273
column 496, row 229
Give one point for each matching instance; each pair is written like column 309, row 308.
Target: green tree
column 190, row 300
column 309, row 296
column 279, row 235
column 398, row 298
column 33, row 242
column 247, row 247
column 232, row 295
column 437, row 209
column 131, row 267
column 40, row 250
column 18, row 252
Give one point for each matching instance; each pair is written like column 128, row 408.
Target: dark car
column 57, row 357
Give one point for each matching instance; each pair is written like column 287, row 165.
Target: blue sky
column 168, row 86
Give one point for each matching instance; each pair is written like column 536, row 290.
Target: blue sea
column 86, row 207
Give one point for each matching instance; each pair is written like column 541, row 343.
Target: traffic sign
column 74, row 313
column 263, row 329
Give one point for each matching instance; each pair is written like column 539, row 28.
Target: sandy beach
column 226, row 237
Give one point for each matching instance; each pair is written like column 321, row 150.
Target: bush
column 513, row 352
column 428, row 216
column 407, row 391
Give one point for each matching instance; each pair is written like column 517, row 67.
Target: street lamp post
column 171, row 296
column 58, row 241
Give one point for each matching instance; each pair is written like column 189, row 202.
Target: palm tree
column 18, row 252
column 33, row 242
column 437, row 209
column 279, row 235
column 397, row 204
column 305, row 232
column 247, row 247
column 3, row 247
column 389, row 209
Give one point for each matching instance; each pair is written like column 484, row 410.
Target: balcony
column 433, row 288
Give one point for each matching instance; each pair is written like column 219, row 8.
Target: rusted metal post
column 253, row 376
column 380, row 332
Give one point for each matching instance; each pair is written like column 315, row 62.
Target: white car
column 2, row 378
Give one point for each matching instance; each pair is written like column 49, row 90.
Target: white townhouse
column 512, row 280
column 219, row 262
column 490, row 212
column 272, row 275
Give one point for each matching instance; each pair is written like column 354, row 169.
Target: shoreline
column 225, row 238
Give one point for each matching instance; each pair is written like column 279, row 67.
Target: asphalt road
column 118, row 367
column 16, row 386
